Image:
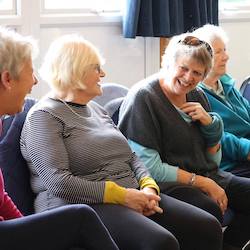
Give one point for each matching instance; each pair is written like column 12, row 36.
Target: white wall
column 239, row 49
column 127, row 60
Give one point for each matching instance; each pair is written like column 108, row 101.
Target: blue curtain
column 165, row 18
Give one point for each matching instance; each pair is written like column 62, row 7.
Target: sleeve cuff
column 114, row 193
column 149, row 182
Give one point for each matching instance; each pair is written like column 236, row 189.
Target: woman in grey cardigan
column 169, row 125
column 77, row 155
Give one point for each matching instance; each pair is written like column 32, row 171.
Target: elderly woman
column 227, row 101
column 77, row 155
column 62, row 228
column 170, row 127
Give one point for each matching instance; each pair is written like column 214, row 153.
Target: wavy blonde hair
column 67, row 61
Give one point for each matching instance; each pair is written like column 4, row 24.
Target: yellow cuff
column 149, row 182
column 114, row 193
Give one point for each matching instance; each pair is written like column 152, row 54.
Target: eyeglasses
column 97, row 67
column 194, row 41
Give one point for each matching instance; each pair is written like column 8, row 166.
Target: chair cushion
column 113, row 107
column 111, row 99
column 111, row 91
column 245, row 88
column 15, row 171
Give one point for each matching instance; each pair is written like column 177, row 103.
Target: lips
column 183, row 83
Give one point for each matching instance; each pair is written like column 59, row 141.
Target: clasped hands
column 145, row 201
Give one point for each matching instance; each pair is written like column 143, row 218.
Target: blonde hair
column 176, row 49
column 15, row 51
column 67, row 61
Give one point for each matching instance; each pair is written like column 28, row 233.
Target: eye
column 198, row 74
column 183, row 68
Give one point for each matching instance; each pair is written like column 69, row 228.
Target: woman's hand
column 213, row 190
column 136, row 200
column 153, row 205
column 145, row 201
column 196, row 112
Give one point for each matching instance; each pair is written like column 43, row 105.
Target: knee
column 163, row 240
column 215, row 210
column 82, row 213
column 212, row 224
column 210, row 231
column 171, row 243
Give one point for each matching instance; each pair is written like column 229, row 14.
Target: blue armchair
column 245, row 88
column 111, row 99
column 15, row 170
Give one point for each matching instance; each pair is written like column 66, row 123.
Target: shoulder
column 47, row 109
column 97, row 108
column 145, row 89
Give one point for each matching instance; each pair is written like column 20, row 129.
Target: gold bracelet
column 192, row 179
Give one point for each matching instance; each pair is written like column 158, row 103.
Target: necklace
column 72, row 110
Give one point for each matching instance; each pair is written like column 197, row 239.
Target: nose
column 102, row 73
column 35, row 79
column 226, row 56
column 189, row 76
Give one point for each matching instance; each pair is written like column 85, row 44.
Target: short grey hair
column 177, row 49
column 67, row 61
column 15, row 51
column 210, row 33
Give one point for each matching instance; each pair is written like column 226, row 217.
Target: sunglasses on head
column 194, row 41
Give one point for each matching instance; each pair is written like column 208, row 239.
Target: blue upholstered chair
column 15, row 170
column 245, row 88
column 111, row 99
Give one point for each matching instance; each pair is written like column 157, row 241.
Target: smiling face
column 20, row 87
column 92, row 81
column 185, row 75
column 220, row 58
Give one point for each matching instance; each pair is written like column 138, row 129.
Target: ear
column 5, row 79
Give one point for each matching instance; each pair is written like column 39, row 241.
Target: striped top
column 71, row 157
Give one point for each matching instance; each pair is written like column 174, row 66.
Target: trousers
column 65, row 228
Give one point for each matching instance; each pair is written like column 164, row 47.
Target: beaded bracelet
column 192, row 179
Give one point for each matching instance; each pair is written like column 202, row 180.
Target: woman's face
column 92, row 81
column 220, row 58
column 185, row 75
column 21, row 87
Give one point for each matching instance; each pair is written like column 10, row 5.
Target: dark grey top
column 148, row 118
